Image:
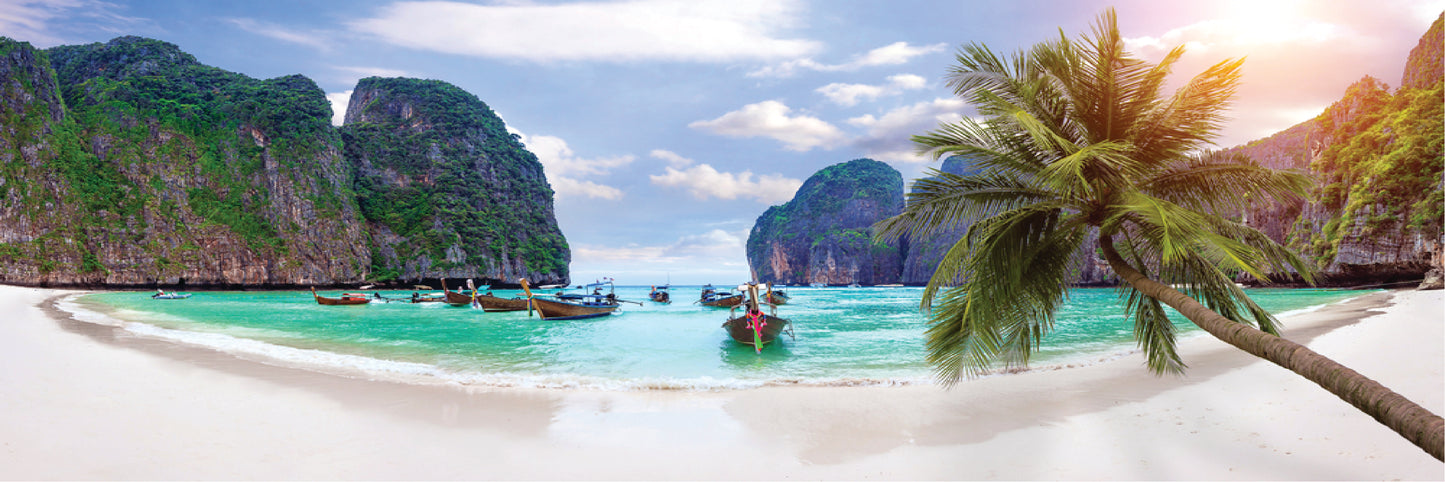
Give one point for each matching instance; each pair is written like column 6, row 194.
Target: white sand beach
column 85, row 401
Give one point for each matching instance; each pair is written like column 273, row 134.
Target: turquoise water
column 843, row 336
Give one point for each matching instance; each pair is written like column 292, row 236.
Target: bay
column 841, row 336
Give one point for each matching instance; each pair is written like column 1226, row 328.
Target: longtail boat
column 455, row 298
column 755, row 327
column 163, row 295
column 571, row 307
column 721, row 299
column 659, row 294
column 345, row 299
column 777, row 297
column 491, row 304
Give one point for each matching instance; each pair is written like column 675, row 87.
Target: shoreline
column 356, row 364
column 142, row 409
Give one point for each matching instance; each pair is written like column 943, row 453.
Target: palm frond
column 945, row 201
column 1014, row 267
column 1192, row 116
column 1154, row 332
column 1217, row 183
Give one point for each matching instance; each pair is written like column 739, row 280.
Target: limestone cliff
column 445, row 189
column 1376, row 214
column 823, row 235
column 129, row 163
column 151, row 168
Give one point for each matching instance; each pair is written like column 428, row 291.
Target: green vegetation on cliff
column 1383, row 173
column 130, row 163
column 824, row 233
column 438, row 168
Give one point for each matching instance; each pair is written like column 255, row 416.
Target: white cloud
column 771, row 119
column 30, row 20
column 709, row 246
column 893, row 54
column 563, row 167
column 705, row 181
column 339, row 101
column 849, row 94
column 672, row 158
column 622, row 31
column 566, row 186
column 1294, row 50
column 888, row 137
column 278, row 32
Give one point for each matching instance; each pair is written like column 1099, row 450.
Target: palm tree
column 1078, row 140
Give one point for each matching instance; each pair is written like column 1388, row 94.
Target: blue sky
column 667, row 127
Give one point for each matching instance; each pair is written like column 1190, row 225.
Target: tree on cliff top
column 1078, row 135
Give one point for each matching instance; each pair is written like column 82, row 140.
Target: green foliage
column 89, row 263
column 1079, row 136
column 233, row 211
column 448, row 174
column 1385, row 170
column 820, row 210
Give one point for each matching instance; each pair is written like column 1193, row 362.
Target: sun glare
column 1264, row 22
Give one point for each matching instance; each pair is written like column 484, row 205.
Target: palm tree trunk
column 1418, row 425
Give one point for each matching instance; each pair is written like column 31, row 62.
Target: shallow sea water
column 842, row 336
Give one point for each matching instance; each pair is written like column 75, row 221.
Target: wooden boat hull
column 739, row 330
column 342, row 301
column 660, row 297
column 457, row 299
column 492, row 304
column 725, row 302
column 777, row 298
column 557, row 310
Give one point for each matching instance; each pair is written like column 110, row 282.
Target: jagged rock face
column 1375, row 216
column 1423, row 67
column 130, row 164
column 446, row 191
column 155, row 169
column 823, row 235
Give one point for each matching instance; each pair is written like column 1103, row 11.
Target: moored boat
column 659, row 294
column 491, row 304
column 163, row 295
column 345, row 299
column 414, row 298
column 721, row 299
column 572, row 307
column 777, row 297
column 756, row 327
column 456, row 298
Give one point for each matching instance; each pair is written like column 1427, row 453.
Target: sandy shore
column 83, row 401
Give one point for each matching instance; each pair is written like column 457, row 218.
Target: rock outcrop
column 445, row 189
column 1376, row 215
column 151, row 168
column 129, row 163
column 824, row 234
